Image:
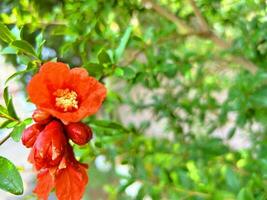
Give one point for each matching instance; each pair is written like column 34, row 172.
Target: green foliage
column 197, row 67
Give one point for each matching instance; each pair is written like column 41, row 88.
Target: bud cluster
column 51, row 152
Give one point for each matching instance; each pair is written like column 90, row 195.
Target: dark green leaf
column 6, row 95
column 231, row 133
column 94, row 69
column 11, row 109
column 10, row 179
column 24, row 46
column 103, row 57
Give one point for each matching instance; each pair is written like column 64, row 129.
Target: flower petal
column 70, row 182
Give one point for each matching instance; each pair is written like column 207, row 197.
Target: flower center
column 66, row 99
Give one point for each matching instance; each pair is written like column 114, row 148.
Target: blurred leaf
column 94, row 69
column 123, row 42
column 232, row 179
column 24, row 46
column 107, row 124
column 231, row 133
column 244, row 194
column 119, row 72
column 5, row 34
column 128, row 72
column 10, row 179
column 17, row 131
column 8, row 50
column 103, row 57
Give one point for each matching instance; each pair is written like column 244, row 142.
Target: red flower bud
column 30, row 134
column 49, row 146
column 41, row 117
column 79, row 133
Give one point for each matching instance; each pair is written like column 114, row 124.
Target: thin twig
column 201, row 20
column 5, row 138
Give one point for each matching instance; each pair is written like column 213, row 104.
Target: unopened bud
column 30, row 134
column 41, row 117
column 79, row 133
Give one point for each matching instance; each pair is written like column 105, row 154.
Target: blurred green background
column 186, row 111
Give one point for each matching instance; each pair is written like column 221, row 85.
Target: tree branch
column 206, row 32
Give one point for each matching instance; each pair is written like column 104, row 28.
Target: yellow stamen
column 66, row 99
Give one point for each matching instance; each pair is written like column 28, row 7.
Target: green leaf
column 94, row 69
column 231, row 133
column 128, row 72
column 39, row 43
column 24, row 46
column 11, row 109
column 231, row 179
column 259, row 98
column 119, row 72
column 17, row 74
column 10, row 179
column 6, row 95
column 103, row 57
column 245, row 194
column 123, row 42
column 5, row 34
column 107, row 124
column 8, row 50
column 3, row 110
column 17, row 132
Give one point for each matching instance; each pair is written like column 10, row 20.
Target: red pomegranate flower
column 67, row 94
column 50, row 145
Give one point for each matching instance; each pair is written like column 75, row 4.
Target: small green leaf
column 27, row 121
column 11, row 109
column 231, row 133
column 5, row 34
column 94, row 69
column 24, row 46
column 5, row 123
column 128, row 72
column 107, row 124
column 3, row 110
column 17, row 132
column 103, row 57
column 16, row 32
column 119, row 72
column 123, row 42
column 8, row 50
column 10, row 179
column 39, row 43
column 6, row 95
